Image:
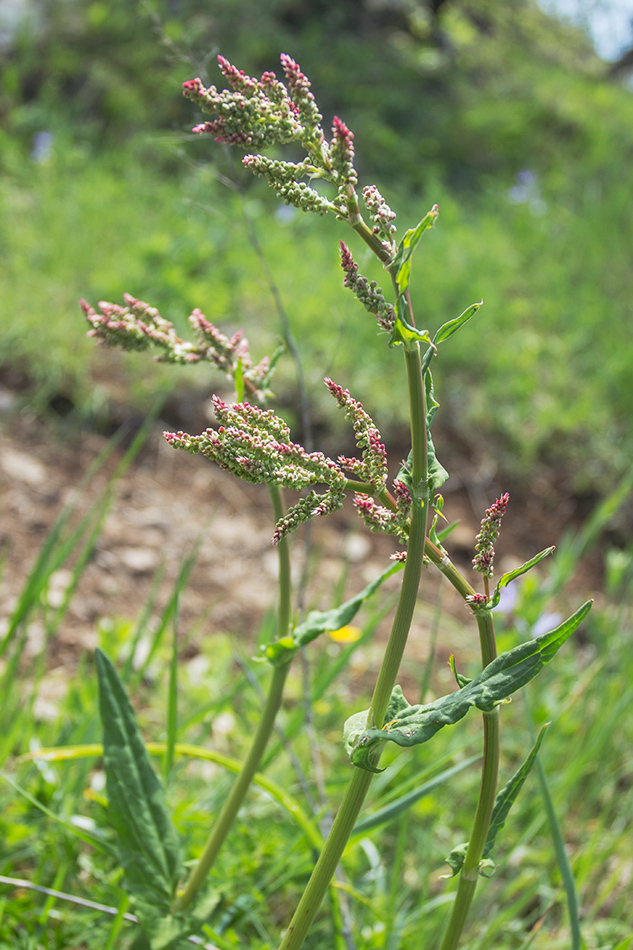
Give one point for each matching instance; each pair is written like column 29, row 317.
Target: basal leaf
column 504, row 676
column 505, row 579
column 453, row 326
column 148, row 844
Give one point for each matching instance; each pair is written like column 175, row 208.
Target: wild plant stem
column 233, row 803
column 488, row 788
column 359, row 783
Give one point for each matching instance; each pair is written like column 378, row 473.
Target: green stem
column 359, row 783
column 285, row 572
column 481, row 825
column 233, row 803
column 238, row 792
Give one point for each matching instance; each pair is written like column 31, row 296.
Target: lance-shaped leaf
column 149, row 850
column 280, row 652
column 504, row 801
column 504, row 676
column 505, row 579
column 408, row 245
column 447, row 329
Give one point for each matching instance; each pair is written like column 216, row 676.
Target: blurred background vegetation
column 502, row 114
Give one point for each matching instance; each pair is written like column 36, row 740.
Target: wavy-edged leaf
column 280, row 652
column 148, row 844
column 505, row 579
column 447, row 329
column 403, row 332
column 504, row 676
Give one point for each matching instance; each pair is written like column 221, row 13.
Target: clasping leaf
column 506, row 674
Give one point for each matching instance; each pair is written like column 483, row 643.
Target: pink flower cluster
column 138, row 326
column 372, row 466
column 488, row 534
column 254, row 444
column 367, row 292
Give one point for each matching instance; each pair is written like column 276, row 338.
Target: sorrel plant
column 253, row 443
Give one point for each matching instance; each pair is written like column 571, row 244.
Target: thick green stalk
column 233, row 803
column 359, row 783
column 487, row 792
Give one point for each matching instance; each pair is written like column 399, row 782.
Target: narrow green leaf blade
column 318, row 621
column 507, row 796
column 149, row 849
column 447, row 329
column 505, row 579
column 504, row 676
column 408, row 245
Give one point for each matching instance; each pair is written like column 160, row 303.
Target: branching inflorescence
column 138, row 326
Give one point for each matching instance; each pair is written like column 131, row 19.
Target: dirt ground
column 167, row 501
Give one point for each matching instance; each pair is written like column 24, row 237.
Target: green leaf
column 505, row 579
column 459, row 678
column 355, row 727
column 504, row 801
column 407, row 246
column 507, row 796
column 437, row 474
column 149, row 850
column 403, row 333
column 504, row 676
column 447, row 329
column 280, row 652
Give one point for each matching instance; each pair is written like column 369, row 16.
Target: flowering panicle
column 283, row 178
column 342, row 153
column 488, row 534
column 379, row 518
column 372, row 467
column 254, row 444
column 381, row 215
column 138, row 326
column 260, row 112
column 312, row 506
column 257, row 113
column 299, row 88
column 368, row 292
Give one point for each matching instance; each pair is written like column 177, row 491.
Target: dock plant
column 254, row 443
